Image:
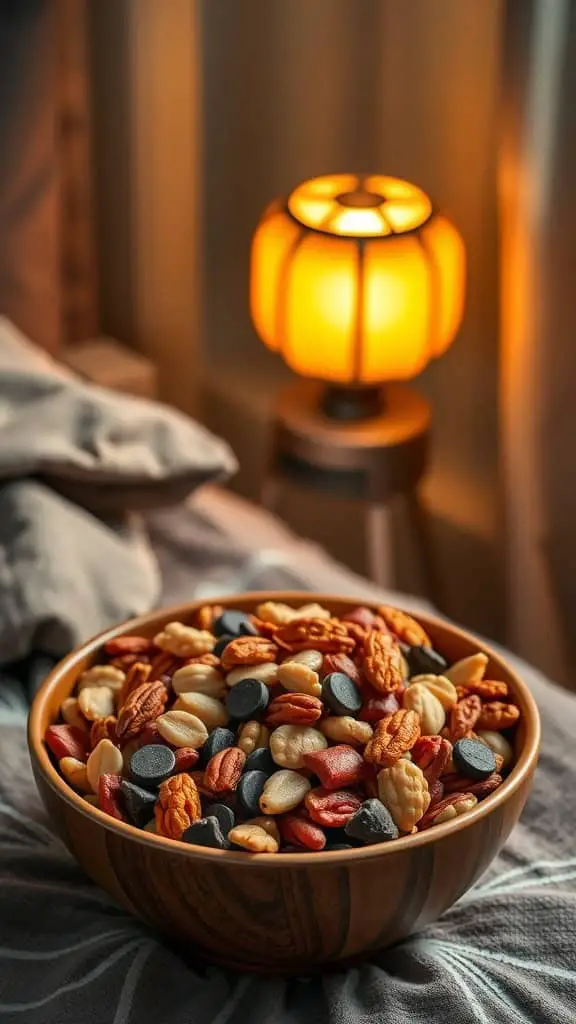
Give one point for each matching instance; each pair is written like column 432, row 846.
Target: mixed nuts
column 287, row 730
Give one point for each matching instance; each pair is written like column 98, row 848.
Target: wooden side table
column 375, row 460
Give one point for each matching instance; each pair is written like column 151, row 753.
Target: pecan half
column 382, row 662
column 294, row 709
column 326, row 635
column 178, row 806
column 143, row 705
column 393, row 736
column 223, row 771
column 248, row 650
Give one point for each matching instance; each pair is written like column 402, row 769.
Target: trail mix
column 285, row 731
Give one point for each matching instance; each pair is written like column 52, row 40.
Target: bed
column 70, row 564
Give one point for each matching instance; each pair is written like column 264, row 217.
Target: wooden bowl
column 284, row 913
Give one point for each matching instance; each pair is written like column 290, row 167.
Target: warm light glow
column 356, row 280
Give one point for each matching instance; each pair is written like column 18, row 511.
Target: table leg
column 379, row 559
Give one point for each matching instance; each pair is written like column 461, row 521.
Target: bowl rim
column 521, row 771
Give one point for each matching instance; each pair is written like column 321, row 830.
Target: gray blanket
column 70, row 955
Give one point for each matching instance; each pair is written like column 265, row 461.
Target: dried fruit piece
column 393, row 736
column 365, row 618
column 143, row 705
column 103, row 729
column 467, row 670
column 109, row 795
column 382, row 662
column 432, row 755
column 290, row 743
column 128, row 645
column 451, row 807
column 266, row 673
column 440, row 686
column 182, row 729
column 253, row 735
column 294, row 709
column 178, row 806
column 336, row 767
column 495, row 716
column 404, row 626
column 499, row 744
column 253, row 838
column 301, row 832
column 199, row 678
column 420, row 699
column 344, row 729
column 326, row 635
column 248, row 650
column 331, row 808
column 223, row 771
column 184, row 641
column 340, row 663
column 209, row 710
column 75, row 773
column 464, row 716
column 105, row 759
column 283, row 791
column 376, row 708
column 66, row 741
column 403, row 789
column 96, row 702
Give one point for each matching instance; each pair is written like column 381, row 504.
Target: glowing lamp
column 356, row 281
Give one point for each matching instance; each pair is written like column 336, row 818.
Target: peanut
column 199, row 679
column 266, row 672
column 290, row 743
column 75, row 773
column 253, row 735
column 283, row 791
column 470, row 669
column 209, row 710
column 440, row 686
column 420, row 699
column 96, row 702
column 105, row 759
column 184, row 641
column 344, row 729
column 299, row 678
column 182, row 729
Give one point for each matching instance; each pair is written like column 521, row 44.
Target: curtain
column 538, row 367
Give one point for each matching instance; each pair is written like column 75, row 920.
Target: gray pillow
column 106, row 451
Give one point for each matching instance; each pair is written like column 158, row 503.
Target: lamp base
column 348, row 405
column 372, row 456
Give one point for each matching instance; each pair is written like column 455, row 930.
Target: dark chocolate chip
column 339, row 846
column 248, row 792
column 341, row 694
column 372, row 823
column 247, row 700
column 261, row 760
column 138, row 803
column 221, row 644
column 423, row 660
column 150, row 765
column 473, row 759
column 206, row 832
column 219, row 739
column 232, row 623
column 225, row 816
column 248, row 629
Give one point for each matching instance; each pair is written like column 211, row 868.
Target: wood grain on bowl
column 283, row 913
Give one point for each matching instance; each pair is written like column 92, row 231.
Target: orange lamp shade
column 355, row 279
